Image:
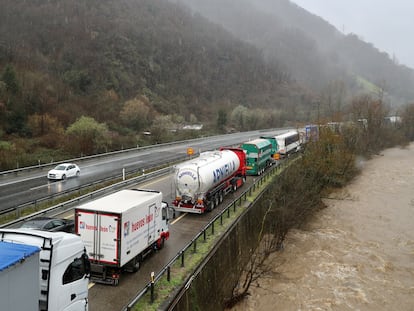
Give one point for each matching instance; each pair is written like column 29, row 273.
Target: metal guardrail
column 51, row 164
column 35, row 203
column 90, row 196
column 192, row 243
column 80, row 159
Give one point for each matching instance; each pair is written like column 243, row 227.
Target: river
column 357, row 254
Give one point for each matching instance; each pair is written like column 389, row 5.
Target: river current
column 358, row 252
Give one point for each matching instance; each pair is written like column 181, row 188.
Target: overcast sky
column 387, row 24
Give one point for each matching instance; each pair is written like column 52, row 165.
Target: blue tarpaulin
column 12, row 253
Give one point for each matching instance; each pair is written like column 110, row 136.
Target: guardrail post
column 204, row 235
column 152, row 287
column 212, row 228
column 195, row 246
column 228, row 212
column 168, row 273
column 221, row 219
column 182, row 259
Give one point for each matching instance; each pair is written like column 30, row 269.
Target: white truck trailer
column 43, row 271
column 120, row 229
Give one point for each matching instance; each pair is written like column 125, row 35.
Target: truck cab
column 63, row 268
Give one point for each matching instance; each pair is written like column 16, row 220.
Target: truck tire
column 136, row 265
column 161, row 244
column 210, row 206
column 133, row 265
column 216, row 199
column 235, row 186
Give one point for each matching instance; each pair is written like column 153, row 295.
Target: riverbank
column 357, row 254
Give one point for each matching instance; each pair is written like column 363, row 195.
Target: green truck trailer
column 258, row 155
column 275, row 147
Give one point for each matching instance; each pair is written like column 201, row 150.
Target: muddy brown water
column 358, row 254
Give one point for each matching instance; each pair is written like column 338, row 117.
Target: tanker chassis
column 201, row 183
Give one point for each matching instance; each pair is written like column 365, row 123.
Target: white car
column 63, row 171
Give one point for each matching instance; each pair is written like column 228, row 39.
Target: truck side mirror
column 171, row 212
column 168, row 212
column 86, row 264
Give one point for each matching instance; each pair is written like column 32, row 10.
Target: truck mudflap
column 159, row 244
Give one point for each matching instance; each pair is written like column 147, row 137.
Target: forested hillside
column 76, row 57
column 101, row 72
column 313, row 51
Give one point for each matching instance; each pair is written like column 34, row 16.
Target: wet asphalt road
column 182, row 229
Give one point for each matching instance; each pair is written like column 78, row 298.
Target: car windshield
column 60, row 167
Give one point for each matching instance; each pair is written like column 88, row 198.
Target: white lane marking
column 43, row 186
column 132, row 163
column 154, row 181
column 179, row 218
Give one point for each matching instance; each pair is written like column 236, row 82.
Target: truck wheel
column 115, row 282
column 210, row 206
column 216, row 200
column 235, row 187
column 221, row 196
column 133, row 265
column 161, row 243
column 136, row 265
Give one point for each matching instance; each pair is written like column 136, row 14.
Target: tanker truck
column 201, row 183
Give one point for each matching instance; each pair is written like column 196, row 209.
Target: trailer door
column 109, row 239
column 99, row 233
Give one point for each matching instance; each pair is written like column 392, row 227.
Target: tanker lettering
column 187, row 173
column 224, row 171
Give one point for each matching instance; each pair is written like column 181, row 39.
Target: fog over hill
column 126, row 67
column 384, row 23
column 312, row 49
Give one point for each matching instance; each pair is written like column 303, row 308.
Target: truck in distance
column 288, row 143
column 258, row 155
column 121, row 229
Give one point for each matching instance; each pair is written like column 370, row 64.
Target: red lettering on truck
column 136, row 225
column 89, row 227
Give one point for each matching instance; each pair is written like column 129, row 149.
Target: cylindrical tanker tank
column 196, row 177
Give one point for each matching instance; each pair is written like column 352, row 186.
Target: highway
column 182, row 229
column 33, row 185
